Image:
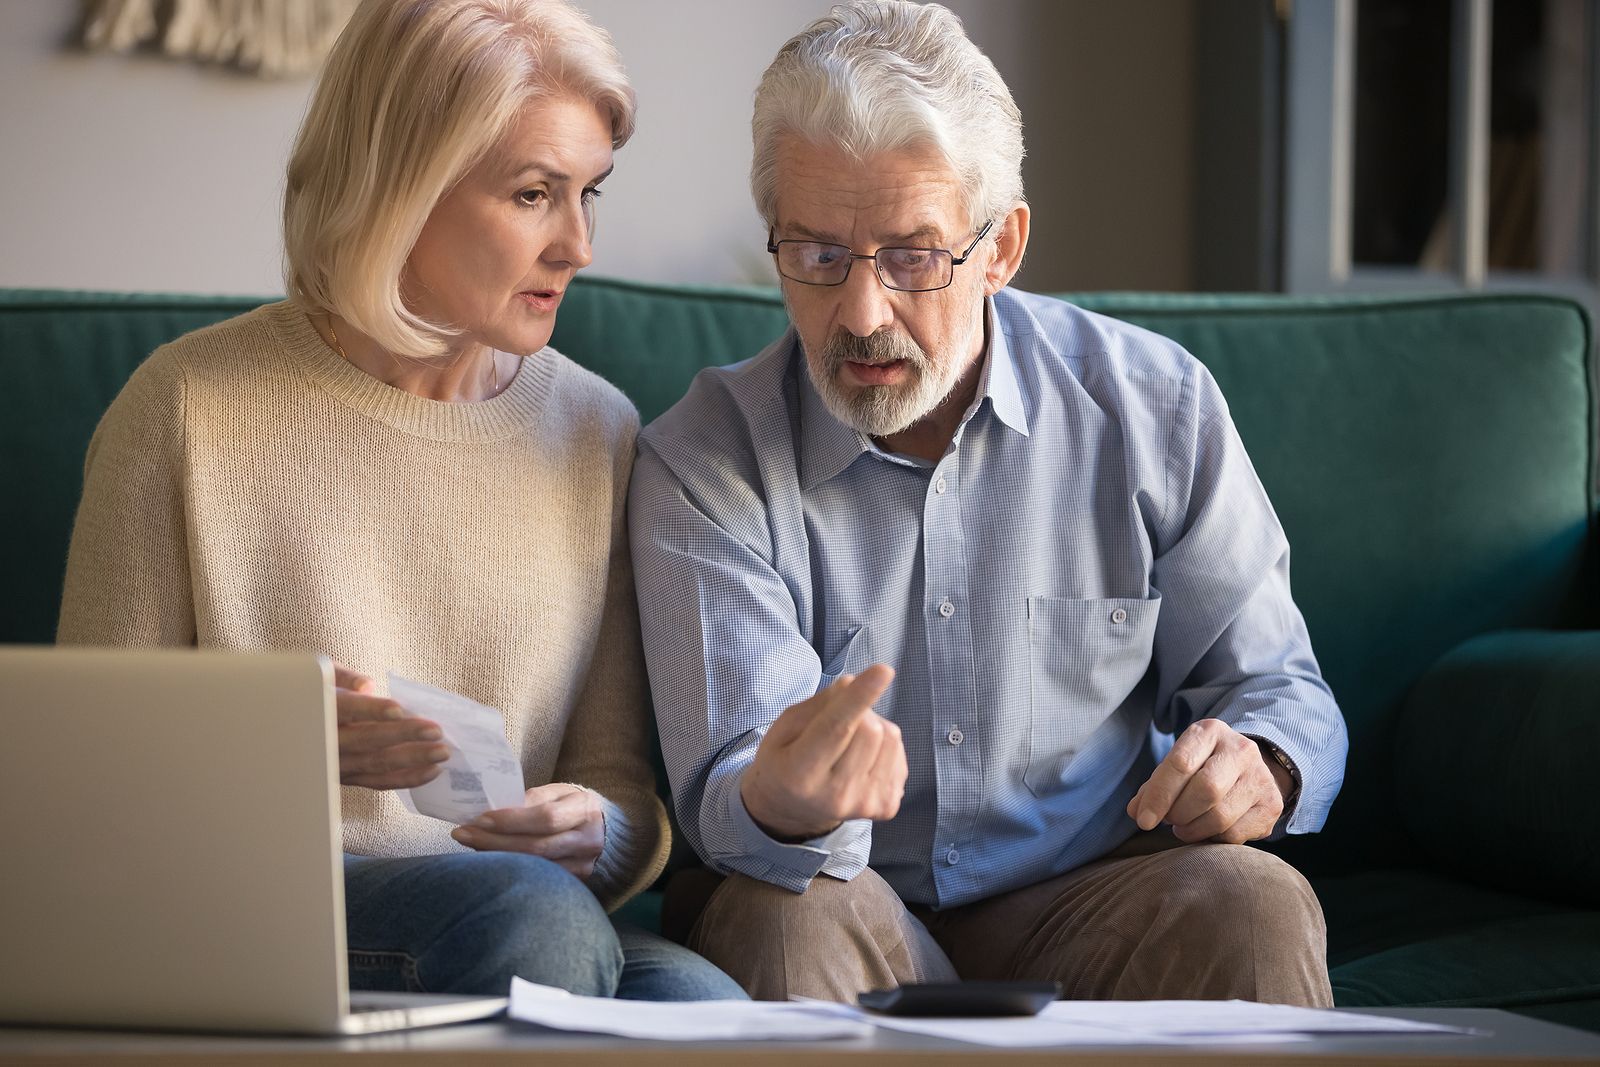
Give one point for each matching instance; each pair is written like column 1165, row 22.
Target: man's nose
column 864, row 306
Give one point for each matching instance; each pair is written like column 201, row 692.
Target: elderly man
column 967, row 618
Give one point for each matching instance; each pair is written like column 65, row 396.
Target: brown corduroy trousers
column 1151, row 920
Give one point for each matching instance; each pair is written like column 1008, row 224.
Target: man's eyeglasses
column 907, row 270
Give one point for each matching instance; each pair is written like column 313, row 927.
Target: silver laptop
column 170, row 856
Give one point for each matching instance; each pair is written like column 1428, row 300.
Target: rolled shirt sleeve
column 1240, row 652
column 726, row 658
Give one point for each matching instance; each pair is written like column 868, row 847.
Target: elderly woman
column 393, row 468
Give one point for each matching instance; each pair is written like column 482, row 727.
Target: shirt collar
column 828, row 446
column 1000, row 382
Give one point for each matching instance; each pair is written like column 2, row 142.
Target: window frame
column 1319, row 163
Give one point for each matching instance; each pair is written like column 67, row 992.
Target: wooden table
column 1512, row 1039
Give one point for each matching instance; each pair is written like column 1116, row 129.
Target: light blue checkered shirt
column 1091, row 566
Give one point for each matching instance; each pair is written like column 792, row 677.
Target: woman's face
column 496, row 254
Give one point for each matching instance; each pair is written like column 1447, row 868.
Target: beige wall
column 1105, row 88
column 136, row 173
column 128, row 174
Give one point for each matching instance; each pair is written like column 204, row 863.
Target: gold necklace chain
column 337, row 347
column 494, row 364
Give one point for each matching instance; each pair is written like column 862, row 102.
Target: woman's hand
column 378, row 747
column 562, row 823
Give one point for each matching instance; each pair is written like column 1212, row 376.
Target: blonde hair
column 414, row 94
column 879, row 75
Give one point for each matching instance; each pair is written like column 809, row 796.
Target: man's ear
column 1009, row 245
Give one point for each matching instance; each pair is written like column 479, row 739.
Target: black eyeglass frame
column 877, row 268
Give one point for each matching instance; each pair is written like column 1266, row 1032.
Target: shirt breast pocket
column 1084, row 658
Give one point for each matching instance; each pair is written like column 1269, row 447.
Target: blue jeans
column 466, row 923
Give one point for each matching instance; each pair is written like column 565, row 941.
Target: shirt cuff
column 792, row 866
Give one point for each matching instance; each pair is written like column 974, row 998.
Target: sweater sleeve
column 127, row 580
column 607, row 744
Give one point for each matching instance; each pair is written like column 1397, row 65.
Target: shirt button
column 939, row 486
column 947, row 609
column 955, row 736
column 1119, row 616
column 952, row 857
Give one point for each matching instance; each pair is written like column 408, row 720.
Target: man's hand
column 1215, row 785
column 827, row 759
column 378, row 747
column 560, row 822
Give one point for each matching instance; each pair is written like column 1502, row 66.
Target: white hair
column 879, row 75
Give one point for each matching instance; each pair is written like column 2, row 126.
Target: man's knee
column 745, row 910
column 833, row 940
column 1251, row 917
column 1217, row 883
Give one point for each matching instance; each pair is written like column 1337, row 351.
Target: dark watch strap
column 1287, row 764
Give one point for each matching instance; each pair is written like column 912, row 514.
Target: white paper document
column 1158, row 1022
column 703, row 1020
column 1227, row 1019
column 1064, row 1023
column 482, row 773
column 1018, row 1031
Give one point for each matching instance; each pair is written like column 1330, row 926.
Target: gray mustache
column 885, row 346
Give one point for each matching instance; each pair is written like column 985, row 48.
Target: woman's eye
column 591, row 195
column 532, row 197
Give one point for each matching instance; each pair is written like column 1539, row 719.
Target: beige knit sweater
column 249, row 489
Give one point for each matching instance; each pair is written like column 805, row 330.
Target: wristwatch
column 1287, row 764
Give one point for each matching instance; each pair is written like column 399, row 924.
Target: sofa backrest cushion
column 1498, row 741
column 65, row 356
column 1430, row 459
column 1431, row 462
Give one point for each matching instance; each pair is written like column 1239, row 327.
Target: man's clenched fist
column 826, row 760
column 1215, row 785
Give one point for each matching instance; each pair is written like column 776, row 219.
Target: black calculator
column 962, row 999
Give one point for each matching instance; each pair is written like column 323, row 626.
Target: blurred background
column 1312, row 146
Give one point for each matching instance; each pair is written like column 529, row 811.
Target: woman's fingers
column 345, row 678
column 370, row 737
column 386, row 753
column 352, row 707
column 390, row 756
column 406, row 778
column 551, row 809
column 562, row 823
column 379, row 748
column 582, row 844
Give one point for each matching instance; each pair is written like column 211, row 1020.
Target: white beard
column 881, row 410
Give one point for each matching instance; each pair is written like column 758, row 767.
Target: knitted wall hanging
column 268, row 38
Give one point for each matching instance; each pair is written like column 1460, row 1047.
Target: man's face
column 882, row 360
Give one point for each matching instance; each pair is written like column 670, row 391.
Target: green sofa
column 1432, row 460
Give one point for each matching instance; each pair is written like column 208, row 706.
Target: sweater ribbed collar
column 495, row 419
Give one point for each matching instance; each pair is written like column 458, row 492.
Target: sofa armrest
column 1497, row 762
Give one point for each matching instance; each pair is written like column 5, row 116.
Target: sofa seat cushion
column 643, row 911
column 1410, row 937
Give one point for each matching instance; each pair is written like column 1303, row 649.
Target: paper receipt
column 482, row 773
